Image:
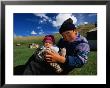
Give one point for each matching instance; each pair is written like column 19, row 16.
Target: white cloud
column 60, row 18
column 50, row 20
column 38, row 27
column 33, row 32
column 44, row 19
column 42, row 15
column 41, row 32
column 41, row 21
column 85, row 22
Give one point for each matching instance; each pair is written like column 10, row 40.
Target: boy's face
column 48, row 44
column 69, row 36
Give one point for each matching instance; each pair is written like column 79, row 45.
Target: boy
column 77, row 48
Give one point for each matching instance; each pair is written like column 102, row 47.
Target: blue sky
column 38, row 24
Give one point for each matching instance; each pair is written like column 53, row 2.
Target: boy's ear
column 76, row 30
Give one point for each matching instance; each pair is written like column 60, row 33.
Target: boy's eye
column 67, row 33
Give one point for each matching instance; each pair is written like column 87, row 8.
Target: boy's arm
column 80, row 58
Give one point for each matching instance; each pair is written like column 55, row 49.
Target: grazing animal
column 33, row 45
column 18, row 44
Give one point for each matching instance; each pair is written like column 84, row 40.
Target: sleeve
column 81, row 56
column 61, row 43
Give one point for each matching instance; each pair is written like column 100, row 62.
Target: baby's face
column 48, row 44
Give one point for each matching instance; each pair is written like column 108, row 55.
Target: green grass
column 23, row 53
column 90, row 68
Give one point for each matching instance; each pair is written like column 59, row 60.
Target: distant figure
column 33, row 45
column 18, row 44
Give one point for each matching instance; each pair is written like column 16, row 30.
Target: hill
column 83, row 29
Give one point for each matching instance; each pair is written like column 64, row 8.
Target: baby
column 49, row 46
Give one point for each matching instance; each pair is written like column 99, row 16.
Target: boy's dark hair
column 67, row 25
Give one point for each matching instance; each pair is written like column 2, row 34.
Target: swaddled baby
column 50, row 47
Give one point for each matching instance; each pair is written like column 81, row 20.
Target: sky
column 38, row 24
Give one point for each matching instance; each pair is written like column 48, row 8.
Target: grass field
column 22, row 54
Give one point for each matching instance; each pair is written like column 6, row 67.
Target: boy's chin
column 70, row 40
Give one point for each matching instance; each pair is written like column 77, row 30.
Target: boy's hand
column 54, row 57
